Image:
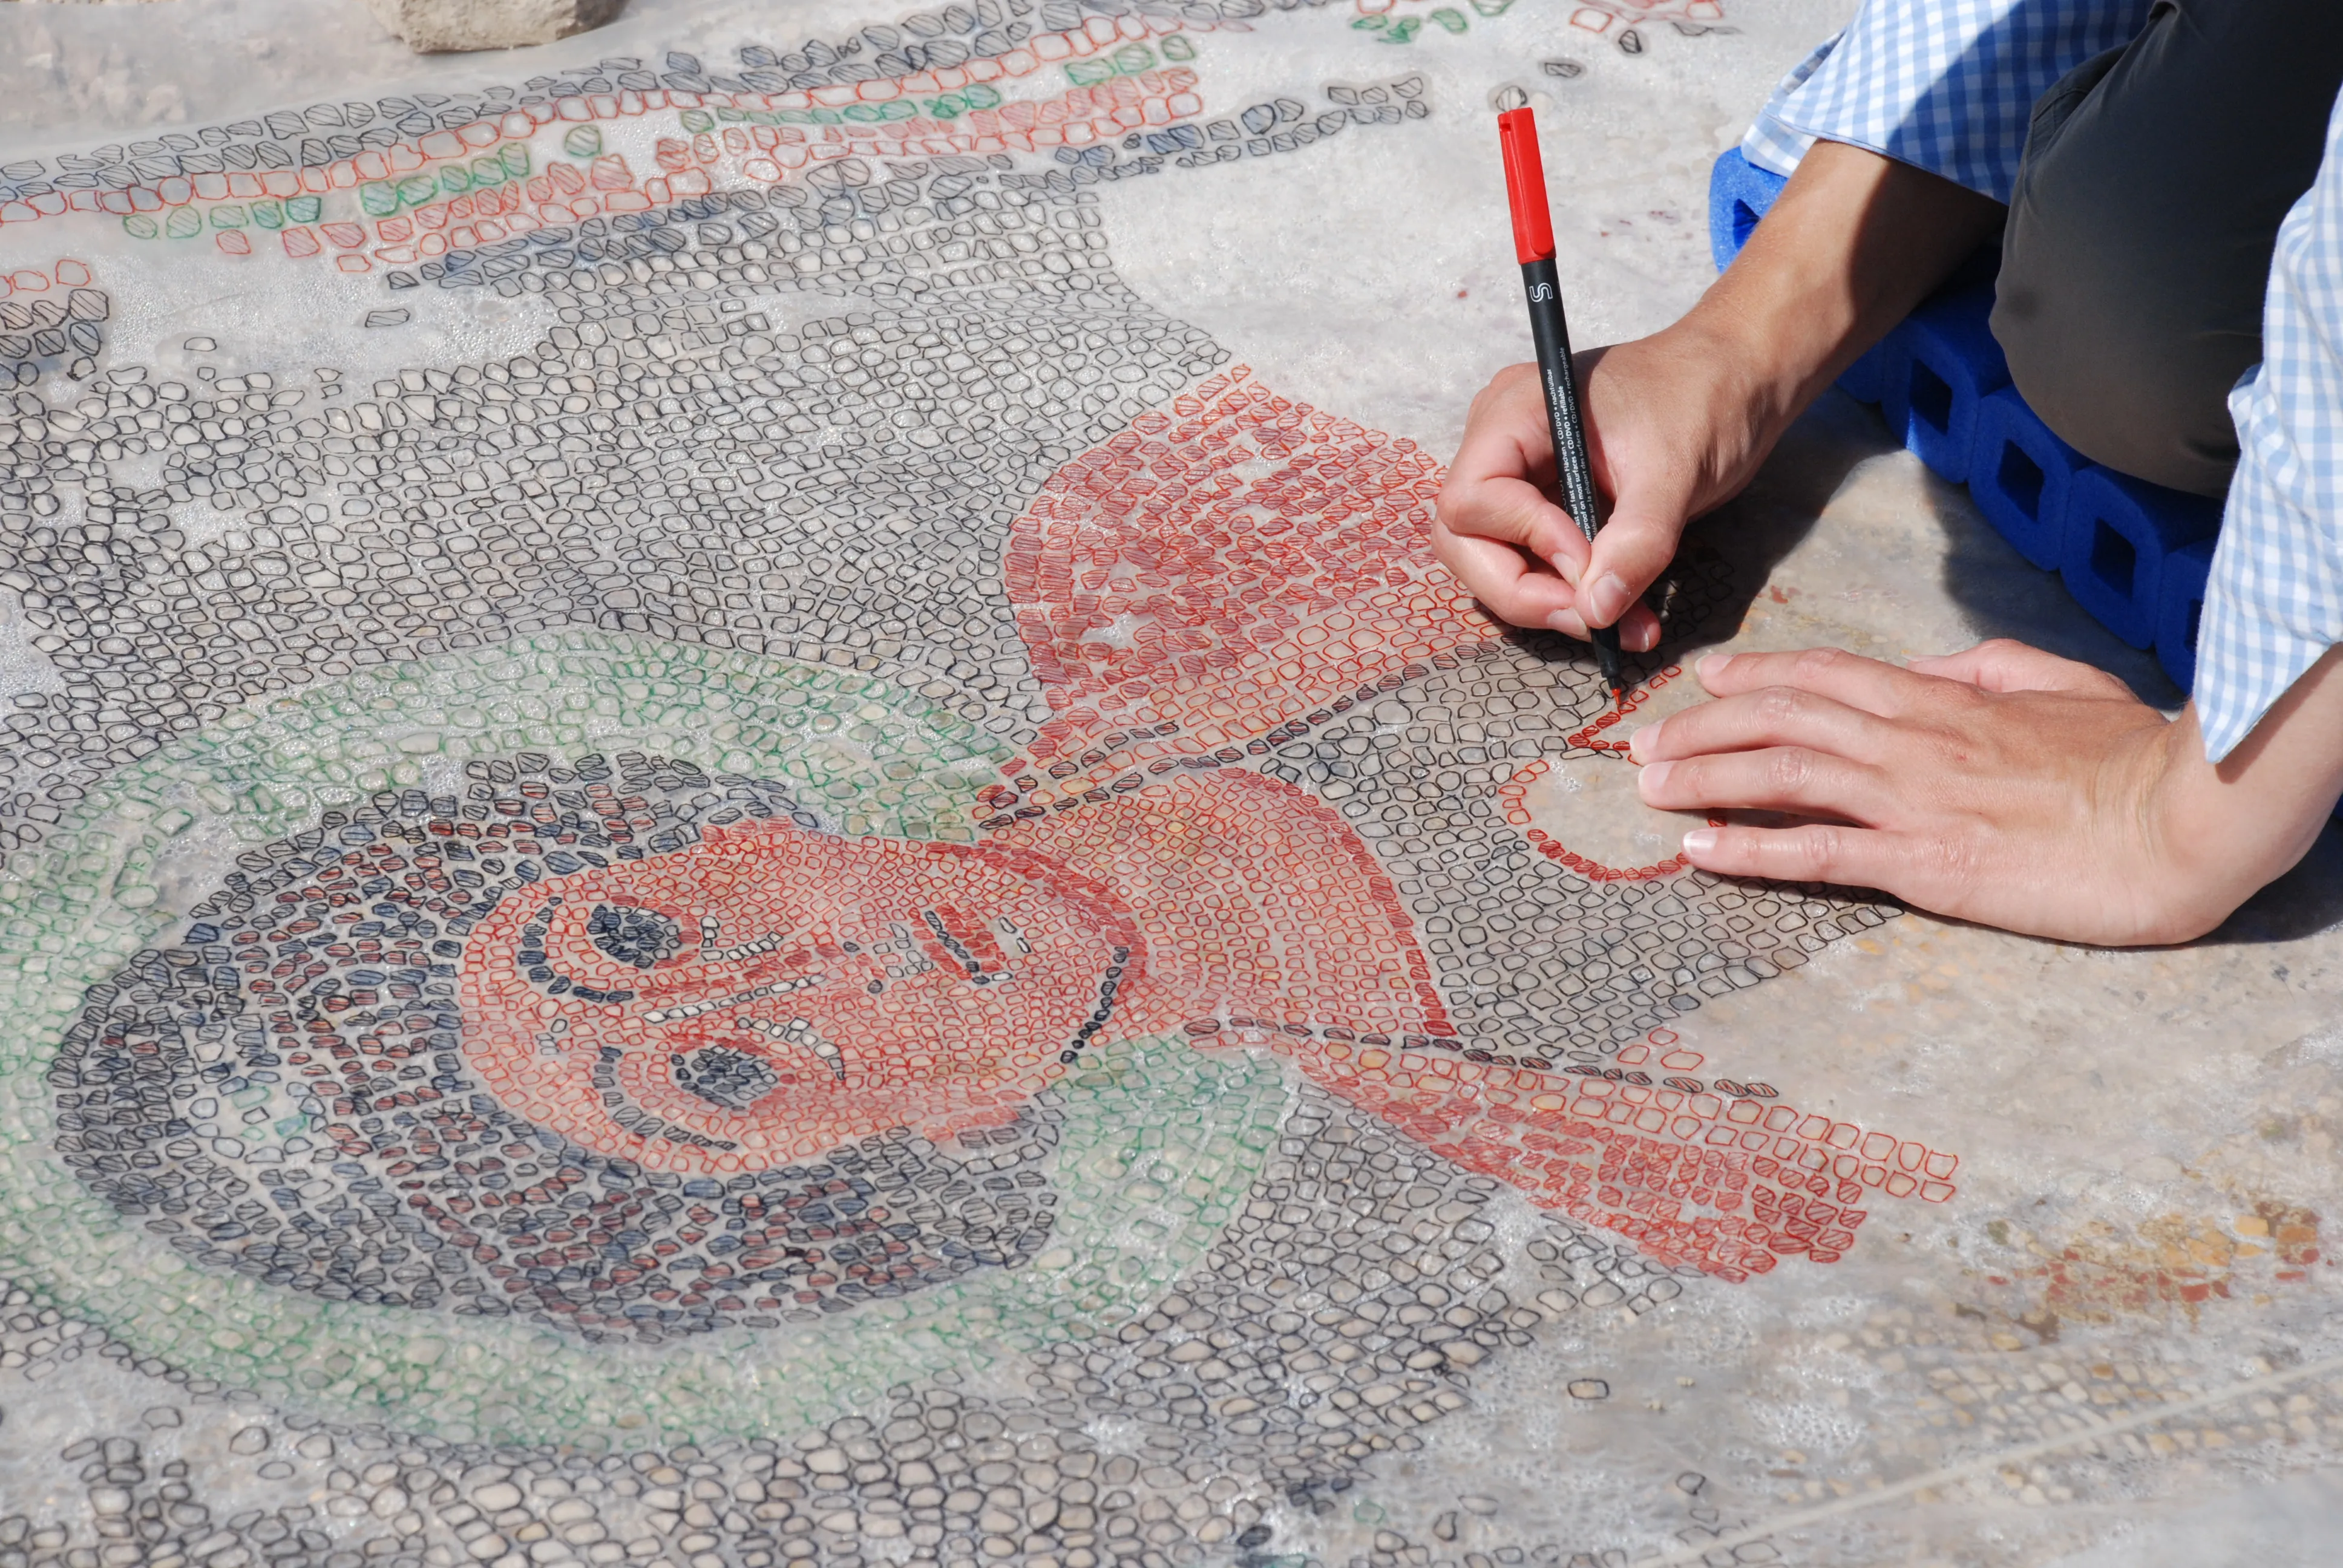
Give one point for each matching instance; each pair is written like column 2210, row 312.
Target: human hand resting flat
column 1671, row 431
column 2002, row 785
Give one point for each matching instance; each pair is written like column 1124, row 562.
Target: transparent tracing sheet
column 743, row 827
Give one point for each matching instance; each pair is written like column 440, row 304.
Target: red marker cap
column 1526, row 185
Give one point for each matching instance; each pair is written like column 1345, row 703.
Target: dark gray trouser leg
column 2140, row 231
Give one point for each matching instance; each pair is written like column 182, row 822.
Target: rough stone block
column 446, row 26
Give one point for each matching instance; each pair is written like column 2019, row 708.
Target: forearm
column 1854, row 242
column 2228, row 829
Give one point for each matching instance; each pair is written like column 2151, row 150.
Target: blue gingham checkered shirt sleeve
column 1944, row 85
column 2275, row 602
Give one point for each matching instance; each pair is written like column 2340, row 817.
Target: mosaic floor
column 743, row 828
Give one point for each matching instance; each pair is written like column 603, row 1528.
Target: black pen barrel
column 1542, row 287
column 1550, row 330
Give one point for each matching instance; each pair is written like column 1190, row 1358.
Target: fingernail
column 1565, row 568
column 1709, row 664
column 1606, row 599
column 1643, row 740
column 1652, row 778
column 1562, row 620
column 1700, row 841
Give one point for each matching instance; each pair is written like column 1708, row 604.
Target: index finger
column 1495, row 487
column 1510, row 583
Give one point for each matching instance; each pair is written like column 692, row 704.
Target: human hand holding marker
column 1668, row 436
column 1676, row 423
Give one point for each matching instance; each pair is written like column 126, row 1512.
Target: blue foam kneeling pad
column 2020, row 474
column 2180, row 600
column 1739, row 191
column 2119, row 534
column 1944, row 362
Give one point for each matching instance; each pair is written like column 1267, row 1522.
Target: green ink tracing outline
column 1160, row 1143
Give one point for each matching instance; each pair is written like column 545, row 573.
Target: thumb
column 2005, row 665
column 1630, row 553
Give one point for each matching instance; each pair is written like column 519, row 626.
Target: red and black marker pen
column 1533, row 249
